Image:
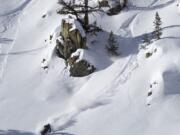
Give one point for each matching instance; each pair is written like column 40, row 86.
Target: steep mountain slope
column 114, row 100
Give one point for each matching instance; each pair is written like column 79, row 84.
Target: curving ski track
column 8, row 21
column 151, row 7
column 69, row 119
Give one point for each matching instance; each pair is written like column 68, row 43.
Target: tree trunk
column 86, row 17
column 125, row 3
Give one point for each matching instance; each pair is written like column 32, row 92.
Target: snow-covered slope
column 112, row 101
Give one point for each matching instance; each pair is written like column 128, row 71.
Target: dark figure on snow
column 44, row 64
column 46, row 129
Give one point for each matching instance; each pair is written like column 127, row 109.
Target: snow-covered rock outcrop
column 128, row 94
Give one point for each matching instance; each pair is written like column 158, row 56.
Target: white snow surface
column 111, row 101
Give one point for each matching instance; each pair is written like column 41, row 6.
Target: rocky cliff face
column 73, row 38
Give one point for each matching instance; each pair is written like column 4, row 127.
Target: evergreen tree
column 158, row 30
column 112, row 46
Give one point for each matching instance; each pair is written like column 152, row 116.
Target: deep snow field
column 111, row 101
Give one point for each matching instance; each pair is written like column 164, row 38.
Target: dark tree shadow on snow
column 130, row 45
column 127, row 45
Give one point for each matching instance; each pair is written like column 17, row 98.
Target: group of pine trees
column 112, row 46
column 84, row 9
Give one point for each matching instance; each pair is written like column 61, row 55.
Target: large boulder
column 81, row 68
column 112, row 7
column 79, row 64
column 73, row 37
column 104, row 3
column 115, row 10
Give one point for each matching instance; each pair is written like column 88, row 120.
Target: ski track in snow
column 6, row 44
column 9, row 19
column 151, row 7
column 69, row 119
column 24, row 52
column 126, row 72
column 3, row 29
column 125, row 27
column 121, row 78
column 6, row 40
column 16, row 10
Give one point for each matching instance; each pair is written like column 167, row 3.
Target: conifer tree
column 157, row 24
column 112, row 46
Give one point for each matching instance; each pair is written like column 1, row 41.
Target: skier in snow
column 46, row 130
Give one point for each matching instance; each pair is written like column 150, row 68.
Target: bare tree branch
column 78, row 10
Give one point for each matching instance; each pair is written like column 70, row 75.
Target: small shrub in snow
column 50, row 37
column 93, row 28
column 148, row 54
column 151, row 52
column 81, row 68
column 79, row 64
column 112, row 46
column 150, row 93
column 44, row 16
column 157, row 24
